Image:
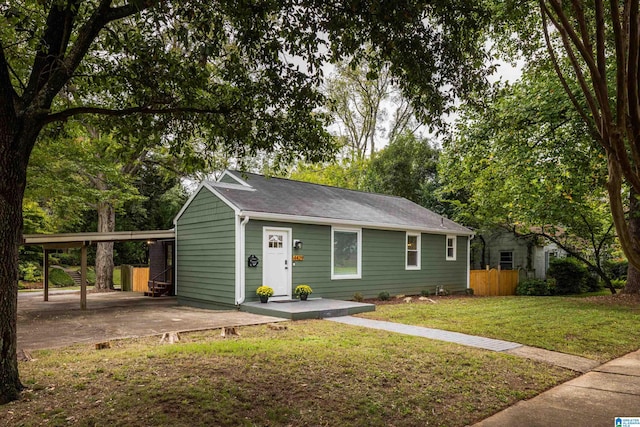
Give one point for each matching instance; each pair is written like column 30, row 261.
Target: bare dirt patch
column 628, row 300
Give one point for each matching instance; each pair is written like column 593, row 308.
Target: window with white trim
column 451, row 248
column 346, row 253
column 412, row 259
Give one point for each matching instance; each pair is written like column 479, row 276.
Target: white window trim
column 418, row 250
column 455, row 247
column 359, row 261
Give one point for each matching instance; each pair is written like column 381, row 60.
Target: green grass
column 591, row 327
column 315, row 373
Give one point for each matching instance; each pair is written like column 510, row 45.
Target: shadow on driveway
column 113, row 315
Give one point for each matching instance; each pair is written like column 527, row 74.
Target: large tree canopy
column 241, row 74
column 527, row 163
column 594, row 46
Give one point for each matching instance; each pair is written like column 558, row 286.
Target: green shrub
column 570, row 275
column 533, row 287
column 592, row 283
column 65, row 259
column 616, row 269
column 29, row 271
column 384, row 296
column 424, row 293
column 358, row 297
column 58, row 278
column 469, row 291
column 91, row 276
column 618, row 283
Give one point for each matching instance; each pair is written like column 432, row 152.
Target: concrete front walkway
column 576, row 363
column 434, row 334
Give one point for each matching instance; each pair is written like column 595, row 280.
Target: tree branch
column 8, row 95
column 563, row 81
column 51, row 48
column 614, row 187
column 102, row 15
column 633, row 75
column 66, row 114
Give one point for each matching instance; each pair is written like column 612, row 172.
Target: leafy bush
column 618, row 283
column 570, row 275
column 358, row 297
column 65, row 259
column 91, row 276
column 616, row 269
column 592, row 282
column 533, row 287
column 58, row 278
column 29, row 272
column 424, row 293
column 384, row 296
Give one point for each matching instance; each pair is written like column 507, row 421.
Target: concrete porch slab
column 313, row 308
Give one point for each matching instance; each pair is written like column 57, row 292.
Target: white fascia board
column 343, row 222
column 235, row 178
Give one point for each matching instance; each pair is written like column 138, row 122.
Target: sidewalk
column 595, row 399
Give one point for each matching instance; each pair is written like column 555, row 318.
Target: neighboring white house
column 502, row 248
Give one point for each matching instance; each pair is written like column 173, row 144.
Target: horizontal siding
column 206, row 251
column 383, row 263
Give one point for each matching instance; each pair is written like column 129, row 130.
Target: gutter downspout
column 468, row 262
column 240, row 287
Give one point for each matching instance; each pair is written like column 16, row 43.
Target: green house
column 246, row 230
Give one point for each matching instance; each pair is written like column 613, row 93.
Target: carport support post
column 45, row 277
column 83, row 274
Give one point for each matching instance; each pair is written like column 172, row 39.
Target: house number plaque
column 252, row 261
column 298, row 257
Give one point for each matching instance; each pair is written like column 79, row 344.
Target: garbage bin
column 126, row 278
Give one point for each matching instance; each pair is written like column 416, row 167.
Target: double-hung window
column 506, row 260
column 412, row 259
column 346, row 253
column 451, row 248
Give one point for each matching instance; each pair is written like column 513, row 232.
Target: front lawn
column 597, row 327
column 314, row 373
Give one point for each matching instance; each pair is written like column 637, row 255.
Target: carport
column 51, row 242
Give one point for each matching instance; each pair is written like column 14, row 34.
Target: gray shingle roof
column 302, row 199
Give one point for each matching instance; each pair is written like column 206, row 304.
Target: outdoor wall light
column 297, row 244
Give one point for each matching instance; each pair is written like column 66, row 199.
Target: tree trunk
column 104, row 253
column 12, row 184
column 633, row 275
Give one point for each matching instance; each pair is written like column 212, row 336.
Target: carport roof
column 66, row 240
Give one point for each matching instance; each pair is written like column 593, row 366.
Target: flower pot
column 264, row 299
column 303, row 297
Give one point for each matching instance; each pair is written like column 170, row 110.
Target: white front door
column 276, row 270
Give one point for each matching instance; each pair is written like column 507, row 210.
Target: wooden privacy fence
column 134, row 279
column 494, row 282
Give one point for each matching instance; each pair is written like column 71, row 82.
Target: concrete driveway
column 113, row 315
